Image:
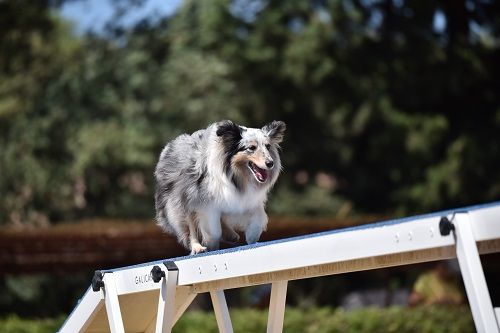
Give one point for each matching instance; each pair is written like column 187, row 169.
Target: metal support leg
column 473, row 276
column 221, row 311
column 166, row 301
column 277, row 307
column 112, row 304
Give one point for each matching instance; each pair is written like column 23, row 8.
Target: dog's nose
column 269, row 164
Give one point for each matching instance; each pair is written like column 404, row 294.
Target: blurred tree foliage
column 391, row 106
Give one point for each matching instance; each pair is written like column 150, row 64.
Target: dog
column 214, row 183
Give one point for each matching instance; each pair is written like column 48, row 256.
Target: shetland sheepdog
column 212, row 184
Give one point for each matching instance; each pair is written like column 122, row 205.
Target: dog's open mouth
column 260, row 174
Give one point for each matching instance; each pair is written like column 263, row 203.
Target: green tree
column 387, row 110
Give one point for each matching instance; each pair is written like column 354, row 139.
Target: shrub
column 322, row 320
column 297, row 320
column 14, row 324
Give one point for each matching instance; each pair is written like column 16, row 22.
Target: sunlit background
column 392, row 109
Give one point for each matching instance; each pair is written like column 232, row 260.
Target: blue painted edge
column 329, row 232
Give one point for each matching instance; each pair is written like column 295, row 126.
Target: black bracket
column 171, row 266
column 157, row 273
column 97, row 282
column 445, row 226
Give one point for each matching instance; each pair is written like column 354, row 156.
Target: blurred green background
column 392, row 106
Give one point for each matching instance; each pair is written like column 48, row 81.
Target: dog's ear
column 230, row 134
column 275, row 130
column 229, row 129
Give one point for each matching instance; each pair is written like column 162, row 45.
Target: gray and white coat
column 214, row 183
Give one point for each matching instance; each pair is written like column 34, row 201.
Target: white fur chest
column 238, row 202
column 229, row 200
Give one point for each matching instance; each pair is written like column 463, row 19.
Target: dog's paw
column 198, row 248
column 252, row 235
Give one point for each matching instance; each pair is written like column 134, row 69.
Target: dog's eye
column 252, row 148
column 268, row 146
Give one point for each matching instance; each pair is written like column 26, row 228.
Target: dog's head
column 251, row 154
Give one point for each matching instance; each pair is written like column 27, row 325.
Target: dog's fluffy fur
column 213, row 183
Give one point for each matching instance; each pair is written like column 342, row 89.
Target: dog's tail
column 161, row 218
column 163, row 222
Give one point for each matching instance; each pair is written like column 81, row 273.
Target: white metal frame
column 473, row 276
column 277, row 307
column 392, row 243
column 112, row 304
column 221, row 311
column 166, row 304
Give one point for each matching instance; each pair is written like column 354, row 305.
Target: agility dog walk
column 151, row 297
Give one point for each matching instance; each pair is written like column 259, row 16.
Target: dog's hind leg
column 229, row 235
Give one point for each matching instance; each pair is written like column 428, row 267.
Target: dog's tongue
column 260, row 173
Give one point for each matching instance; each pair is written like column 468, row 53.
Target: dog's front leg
column 194, row 242
column 258, row 224
column 211, row 229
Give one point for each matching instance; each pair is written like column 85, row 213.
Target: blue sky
column 93, row 14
